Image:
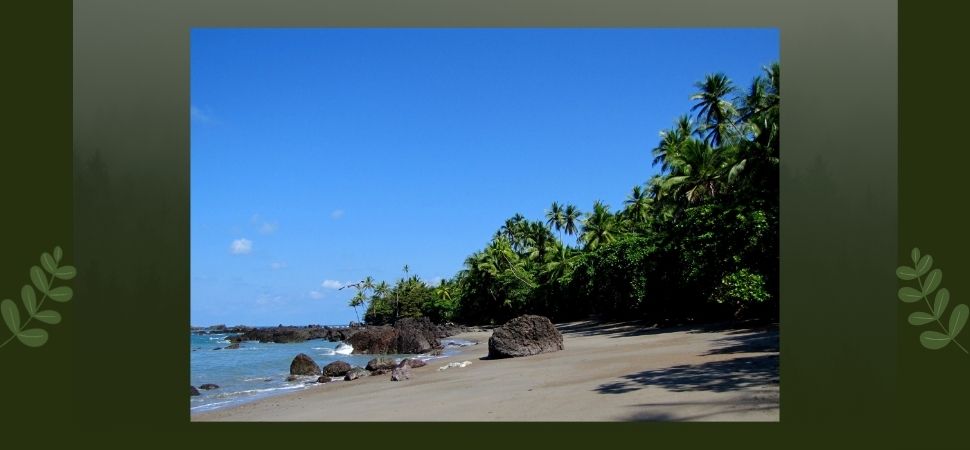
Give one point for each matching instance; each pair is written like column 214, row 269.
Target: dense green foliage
column 699, row 242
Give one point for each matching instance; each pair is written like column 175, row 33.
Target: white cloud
column 315, row 295
column 241, row 246
column 332, row 284
column 337, row 214
column 277, row 265
column 197, row 114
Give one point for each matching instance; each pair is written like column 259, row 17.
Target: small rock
column 324, row 379
column 413, row 363
column 355, row 373
column 232, row 346
column 381, row 363
column 401, row 373
column 194, row 391
column 292, row 378
column 209, row 386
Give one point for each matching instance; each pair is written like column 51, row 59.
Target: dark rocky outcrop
column 380, row 363
column 416, row 335
column 286, row 334
column 374, row 340
column 412, row 363
column 193, row 392
column 209, row 386
column 232, row 346
column 336, row 369
column 304, row 365
column 356, row 373
column 523, row 336
column 401, row 373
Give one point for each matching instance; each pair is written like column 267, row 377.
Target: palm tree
column 571, row 217
column 598, row 227
column 716, row 111
column 556, row 218
column 638, row 205
column 671, row 140
column 357, row 300
column 697, row 171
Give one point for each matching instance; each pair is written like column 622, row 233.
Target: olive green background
column 117, row 365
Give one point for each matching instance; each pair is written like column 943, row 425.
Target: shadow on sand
column 716, row 376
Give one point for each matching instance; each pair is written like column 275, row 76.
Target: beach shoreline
column 606, row 372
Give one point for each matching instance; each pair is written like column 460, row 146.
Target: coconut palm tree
column 671, row 140
column 556, row 218
column 638, row 205
column 599, row 226
column 697, row 171
column 714, row 108
column 571, row 217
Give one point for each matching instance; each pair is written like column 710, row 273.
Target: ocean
column 257, row 370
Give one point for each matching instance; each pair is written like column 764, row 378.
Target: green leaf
column 65, row 272
column 48, row 262
column 921, row 318
column 40, row 281
column 914, row 254
column 909, row 295
column 11, row 315
column 932, row 282
column 48, row 316
column 939, row 305
column 34, row 337
column 58, row 254
column 958, row 318
column 61, row 294
column 924, row 265
column 933, row 340
column 906, row 273
column 30, row 300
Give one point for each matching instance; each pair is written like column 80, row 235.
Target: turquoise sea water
column 258, row 370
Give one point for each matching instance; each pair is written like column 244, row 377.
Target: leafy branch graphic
column 44, row 283
column 933, row 340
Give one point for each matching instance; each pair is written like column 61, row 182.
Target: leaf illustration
column 39, row 280
column 906, row 273
column 924, row 265
column 932, row 281
column 914, row 254
column 58, row 254
column 48, row 262
column 933, row 340
column 30, row 300
column 921, row 318
column 34, row 337
column 48, row 316
column 939, row 305
column 65, row 272
column 958, row 318
column 11, row 315
column 61, row 294
column 909, row 295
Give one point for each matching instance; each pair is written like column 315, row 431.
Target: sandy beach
column 607, row 372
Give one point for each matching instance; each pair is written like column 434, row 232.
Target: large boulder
column 416, row 335
column 336, row 369
column 374, row 340
column 401, row 373
column 524, row 336
column 193, row 391
column 304, row 365
column 380, row 363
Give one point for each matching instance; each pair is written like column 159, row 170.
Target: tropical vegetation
column 697, row 242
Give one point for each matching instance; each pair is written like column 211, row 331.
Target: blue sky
column 320, row 156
